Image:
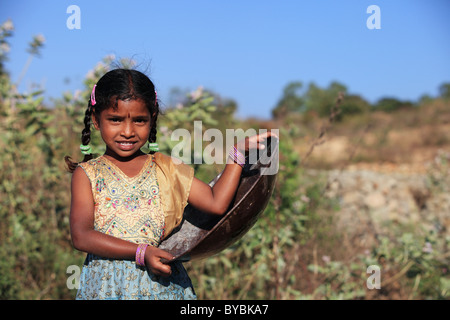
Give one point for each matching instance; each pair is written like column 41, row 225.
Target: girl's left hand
column 254, row 142
column 153, row 261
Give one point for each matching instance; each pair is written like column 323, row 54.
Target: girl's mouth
column 125, row 145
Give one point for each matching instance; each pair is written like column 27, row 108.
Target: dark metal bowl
column 201, row 235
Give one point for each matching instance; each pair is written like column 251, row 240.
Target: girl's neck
column 116, row 158
column 130, row 166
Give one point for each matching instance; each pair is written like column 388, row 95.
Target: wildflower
column 4, row 47
column 8, row 25
column 90, row 75
column 40, row 39
column 195, row 95
column 164, row 130
column 297, row 205
column 305, row 199
column 427, row 248
column 110, row 57
column 77, row 94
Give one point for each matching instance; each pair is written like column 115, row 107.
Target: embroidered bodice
column 126, row 207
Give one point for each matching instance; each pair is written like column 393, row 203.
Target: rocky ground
column 377, row 197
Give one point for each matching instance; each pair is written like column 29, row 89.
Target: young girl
column 125, row 202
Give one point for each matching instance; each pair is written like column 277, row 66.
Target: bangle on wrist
column 237, row 156
column 140, row 254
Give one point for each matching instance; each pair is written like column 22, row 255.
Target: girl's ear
column 95, row 122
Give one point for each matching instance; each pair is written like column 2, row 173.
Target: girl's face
column 126, row 129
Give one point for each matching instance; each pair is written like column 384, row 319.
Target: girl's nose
column 128, row 129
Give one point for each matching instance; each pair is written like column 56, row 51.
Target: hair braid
column 86, row 132
column 153, row 130
column 85, row 138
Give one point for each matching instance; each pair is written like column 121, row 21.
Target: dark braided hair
column 119, row 84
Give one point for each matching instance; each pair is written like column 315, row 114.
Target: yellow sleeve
column 89, row 169
column 174, row 181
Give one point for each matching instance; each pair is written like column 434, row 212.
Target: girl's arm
column 86, row 239
column 216, row 199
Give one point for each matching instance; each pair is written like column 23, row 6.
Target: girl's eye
column 114, row 120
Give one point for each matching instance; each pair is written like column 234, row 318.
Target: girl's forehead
column 129, row 107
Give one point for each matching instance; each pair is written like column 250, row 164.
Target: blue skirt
column 123, row 280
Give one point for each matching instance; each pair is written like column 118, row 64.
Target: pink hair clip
column 93, row 96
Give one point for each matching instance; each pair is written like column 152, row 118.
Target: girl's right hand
column 153, row 262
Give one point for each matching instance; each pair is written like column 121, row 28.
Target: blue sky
column 245, row 50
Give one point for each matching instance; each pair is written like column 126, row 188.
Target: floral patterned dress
column 128, row 208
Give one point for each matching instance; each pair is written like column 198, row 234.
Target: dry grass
column 378, row 140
